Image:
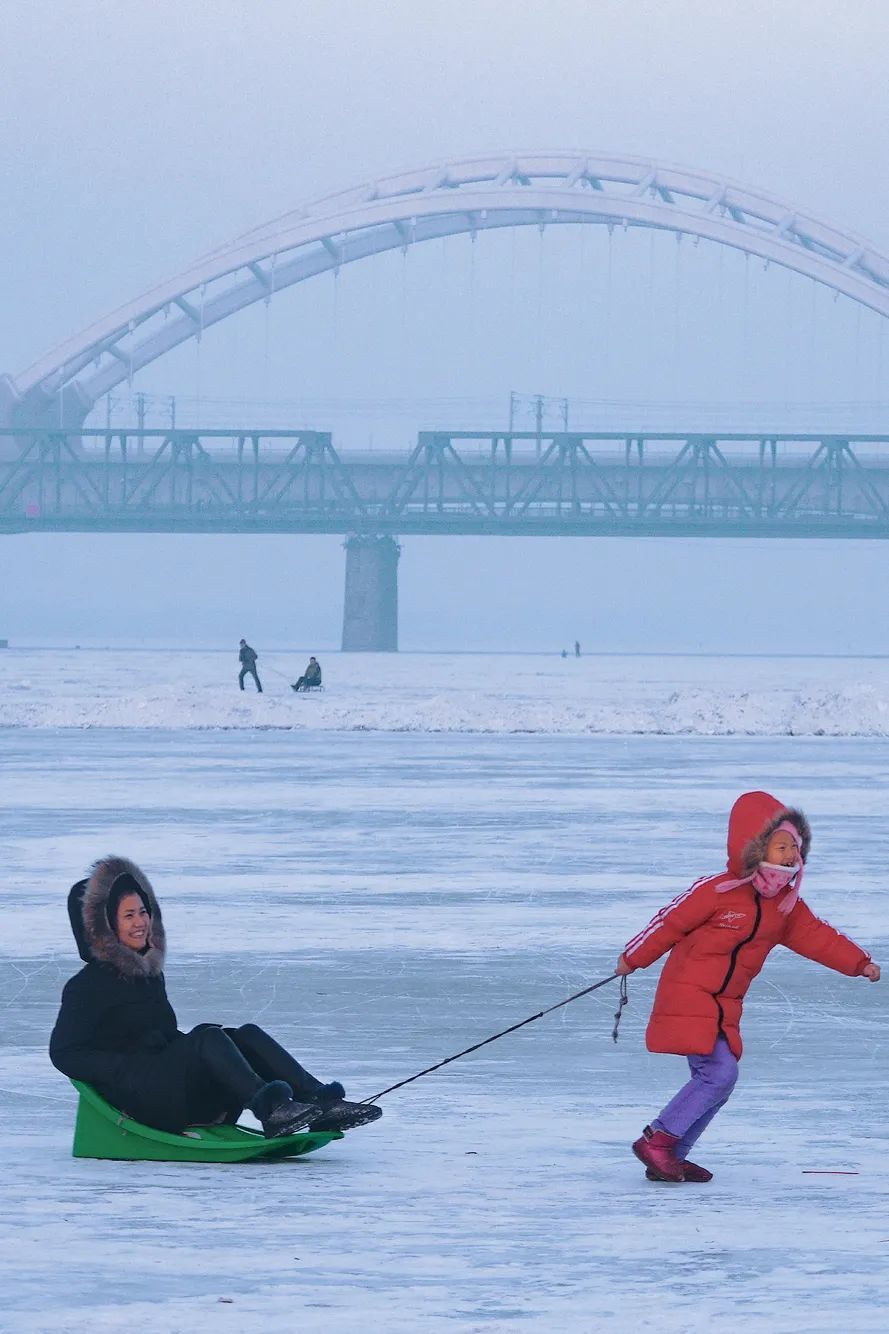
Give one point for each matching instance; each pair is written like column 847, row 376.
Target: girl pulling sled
column 719, row 933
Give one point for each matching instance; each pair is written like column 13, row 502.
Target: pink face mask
column 769, row 879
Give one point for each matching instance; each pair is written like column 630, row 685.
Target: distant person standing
column 247, row 658
column 577, row 648
column 311, row 677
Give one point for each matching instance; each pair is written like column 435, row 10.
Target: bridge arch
column 479, row 194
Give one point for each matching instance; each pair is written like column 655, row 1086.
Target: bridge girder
column 509, row 190
column 557, row 484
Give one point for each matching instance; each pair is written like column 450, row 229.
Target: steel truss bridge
column 451, row 483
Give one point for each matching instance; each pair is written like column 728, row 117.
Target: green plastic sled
column 101, row 1131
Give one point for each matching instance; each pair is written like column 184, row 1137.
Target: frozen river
column 378, row 901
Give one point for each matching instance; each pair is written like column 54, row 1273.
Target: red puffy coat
column 719, row 942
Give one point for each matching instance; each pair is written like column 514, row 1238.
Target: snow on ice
column 451, row 693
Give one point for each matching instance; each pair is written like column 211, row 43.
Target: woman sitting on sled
column 117, row 1031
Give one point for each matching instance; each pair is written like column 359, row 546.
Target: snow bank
column 450, row 693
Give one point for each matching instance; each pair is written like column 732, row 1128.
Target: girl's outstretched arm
column 816, row 939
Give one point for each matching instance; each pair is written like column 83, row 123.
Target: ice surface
column 451, row 693
column 379, row 901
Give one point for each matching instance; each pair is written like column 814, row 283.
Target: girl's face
column 781, row 850
column 133, row 922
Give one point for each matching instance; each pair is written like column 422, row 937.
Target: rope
column 512, row 1029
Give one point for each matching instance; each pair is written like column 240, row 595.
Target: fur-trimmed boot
column 279, row 1115
column 657, row 1150
column 339, row 1114
column 328, row 1094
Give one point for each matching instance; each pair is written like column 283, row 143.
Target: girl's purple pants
column 688, row 1114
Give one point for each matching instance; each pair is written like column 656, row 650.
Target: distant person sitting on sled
column 719, row 933
column 311, row 677
column 117, row 1031
column 247, row 658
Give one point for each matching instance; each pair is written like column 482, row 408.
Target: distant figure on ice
column 564, row 653
column 310, row 677
column 577, row 648
column 117, row 1031
column 719, row 933
column 247, row 658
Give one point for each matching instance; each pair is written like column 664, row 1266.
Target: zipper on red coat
column 735, row 952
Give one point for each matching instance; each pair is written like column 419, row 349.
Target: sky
column 137, row 136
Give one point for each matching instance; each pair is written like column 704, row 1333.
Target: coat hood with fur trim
column 96, row 938
column 754, row 818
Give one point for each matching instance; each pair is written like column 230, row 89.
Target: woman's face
column 133, row 922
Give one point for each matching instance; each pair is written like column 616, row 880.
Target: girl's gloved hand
column 622, row 968
column 871, row 972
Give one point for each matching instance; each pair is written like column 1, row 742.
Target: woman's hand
column 872, row 972
column 622, row 967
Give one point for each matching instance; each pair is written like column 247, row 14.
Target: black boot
column 275, row 1108
column 328, row 1094
column 345, row 1115
column 337, row 1113
column 289, row 1118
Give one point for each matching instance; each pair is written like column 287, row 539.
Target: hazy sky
column 137, row 135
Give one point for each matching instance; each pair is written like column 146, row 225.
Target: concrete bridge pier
column 370, row 607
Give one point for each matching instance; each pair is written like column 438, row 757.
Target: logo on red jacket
column 730, row 920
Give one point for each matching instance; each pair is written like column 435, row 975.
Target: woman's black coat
column 116, row 1030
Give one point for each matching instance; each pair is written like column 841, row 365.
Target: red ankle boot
column 655, row 1148
column 690, row 1172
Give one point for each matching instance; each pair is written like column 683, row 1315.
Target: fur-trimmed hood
column 754, row 818
column 96, row 938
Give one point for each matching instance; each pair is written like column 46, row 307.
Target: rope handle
column 624, row 1000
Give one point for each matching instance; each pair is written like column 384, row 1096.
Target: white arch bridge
column 508, row 190
column 54, row 475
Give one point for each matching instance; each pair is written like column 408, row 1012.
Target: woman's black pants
column 228, row 1066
